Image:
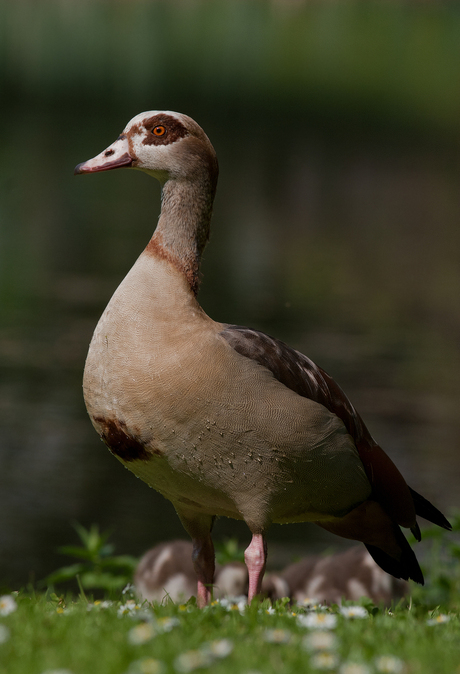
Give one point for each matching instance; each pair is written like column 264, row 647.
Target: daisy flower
column 233, row 603
column 167, row 624
column 354, row 668
column 353, row 611
column 7, row 604
column 147, row 666
column 104, row 604
column 129, row 608
column 269, row 611
column 389, row 664
column 310, row 602
column 438, row 620
column 278, row 636
column 141, row 633
column 98, row 604
column 324, row 660
column 65, row 610
column 220, row 648
column 190, row 660
column 320, row 641
column 317, row 621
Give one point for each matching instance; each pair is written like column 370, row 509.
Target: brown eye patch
column 163, row 129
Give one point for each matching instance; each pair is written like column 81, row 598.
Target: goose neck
column 183, row 227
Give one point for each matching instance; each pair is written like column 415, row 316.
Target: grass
column 49, row 633
column 57, row 633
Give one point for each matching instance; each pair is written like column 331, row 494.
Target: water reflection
column 347, row 250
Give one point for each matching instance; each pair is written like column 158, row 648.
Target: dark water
column 341, row 238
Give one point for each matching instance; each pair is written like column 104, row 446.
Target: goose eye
column 159, row 131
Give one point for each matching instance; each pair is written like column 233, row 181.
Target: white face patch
column 152, row 136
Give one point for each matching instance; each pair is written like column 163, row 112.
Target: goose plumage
column 221, row 419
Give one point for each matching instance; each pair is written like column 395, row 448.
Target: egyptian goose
column 221, row 419
column 166, row 572
column 349, row 575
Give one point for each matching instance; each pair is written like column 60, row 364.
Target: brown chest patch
column 122, row 443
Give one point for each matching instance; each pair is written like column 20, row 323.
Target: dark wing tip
column 427, row 510
column 416, row 532
column 406, row 567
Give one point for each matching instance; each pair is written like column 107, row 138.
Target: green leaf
column 75, row 551
column 65, row 573
column 121, row 561
column 104, row 581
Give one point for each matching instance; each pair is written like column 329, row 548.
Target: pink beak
column 115, row 156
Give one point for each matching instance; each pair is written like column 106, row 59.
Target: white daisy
column 324, row 660
column 220, row 648
column 311, row 603
column 141, row 633
column 438, row 620
column 317, row 621
column 147, row 666
column 278, row 636
column 389, row 664
column 353, row 611
column 7, row 605
column 269, row 611
column 354, row 668
column 130, row 608
column 320, row 641
column 190, row 660
column 167, row 624
column 233, row 603
column 98, row 604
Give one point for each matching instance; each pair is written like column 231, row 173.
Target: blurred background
column 336, row 229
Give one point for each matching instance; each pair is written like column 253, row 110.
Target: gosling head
column 167, row 145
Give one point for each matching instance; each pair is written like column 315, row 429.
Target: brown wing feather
column 303, row 376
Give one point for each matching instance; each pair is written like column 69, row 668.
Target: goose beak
column 115, row 156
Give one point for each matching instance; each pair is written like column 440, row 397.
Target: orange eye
column 159, row 131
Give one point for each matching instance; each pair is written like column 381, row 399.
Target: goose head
column 167, row 145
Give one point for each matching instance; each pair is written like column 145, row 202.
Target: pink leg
column 256, row 558
column 203, row 563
